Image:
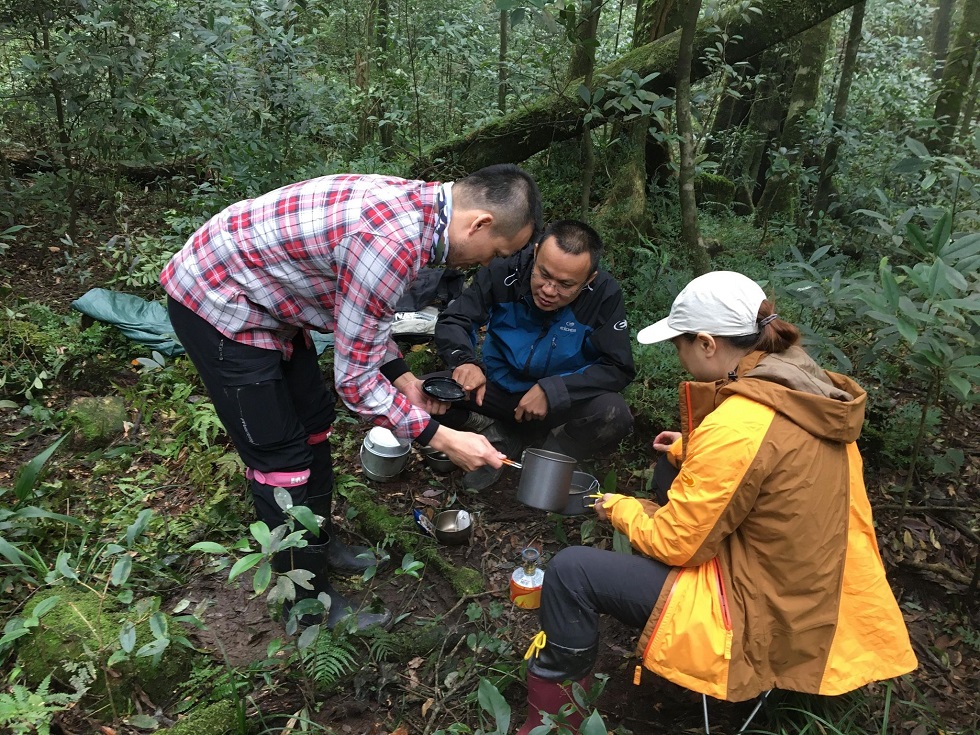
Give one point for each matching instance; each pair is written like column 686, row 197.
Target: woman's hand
column 663, row 440
column 600, row 509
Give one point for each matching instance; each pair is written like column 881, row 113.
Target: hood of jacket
column 825, row 404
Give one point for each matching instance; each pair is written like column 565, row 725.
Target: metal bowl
column 439, row 461
column 453, row 527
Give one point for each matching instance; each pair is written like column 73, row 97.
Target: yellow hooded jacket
column 778, row 580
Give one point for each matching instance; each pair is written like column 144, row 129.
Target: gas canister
column 526, row 581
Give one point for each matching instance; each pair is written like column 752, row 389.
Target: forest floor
column 400, row 700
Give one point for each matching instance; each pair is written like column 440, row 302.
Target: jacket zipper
column 547, row 362
column 653, row 633
column 530, row 355
column 725, row 616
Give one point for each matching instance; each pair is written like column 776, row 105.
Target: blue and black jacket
column 575, row 353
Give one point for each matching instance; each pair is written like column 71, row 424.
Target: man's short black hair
column 506, row 190
column 575, row 237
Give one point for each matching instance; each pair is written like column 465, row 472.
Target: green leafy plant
column 28, row 712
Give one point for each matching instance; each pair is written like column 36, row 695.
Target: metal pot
column 546, row 478
column 453, row 527
column 439, row 461
column 383, row 457
column 579, row 501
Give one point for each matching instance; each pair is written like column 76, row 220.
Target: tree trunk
column 733, row 110
column 363, row 60
column 502, row 64
column 781, row 190
column 970, row 108
column 762, row 128
column 690, row 234
column 829, row 165
column 941, row 23
column 582, row 63
column 385, row 132
column 957, row 72
column 519, row 135
column 582, row 66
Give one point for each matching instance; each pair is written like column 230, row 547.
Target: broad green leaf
column 153, row 648
column 127, row 636
column 143, row 722
column 916, row 147
column 243, row 565
column 909, row 166
column 962, row 386
column 63, row 567
column 27, row 477
column 158, row 624
column 10, row 552
column 32, row 511
column 621, row 543
column 138, row 526
column 888, row 283
column 907, row 331
column 593, row 725
column 262, row 578
column 209, row 547
column 306, row 517
column 940, row 232
column 493, row 702
column 917, row 238
column 308, row 636
column 45, row 606
column 260, row 532
column 116, row 657
column 121, row 570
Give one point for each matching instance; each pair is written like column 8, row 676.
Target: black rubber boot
column 313, row 559
column 341, row 558
column 349, row 560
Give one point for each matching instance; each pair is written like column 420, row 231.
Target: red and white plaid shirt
column 332, row 254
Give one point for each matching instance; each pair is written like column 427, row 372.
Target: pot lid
column 382, row 442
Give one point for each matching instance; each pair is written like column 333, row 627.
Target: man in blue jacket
column 555, row 356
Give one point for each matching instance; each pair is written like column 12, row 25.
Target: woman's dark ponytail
column 775, row 335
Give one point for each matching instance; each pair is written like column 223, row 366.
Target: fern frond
column 329, row 658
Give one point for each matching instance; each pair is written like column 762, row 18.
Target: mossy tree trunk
column 519, row 135
column 828, row 166
column 957, row 73
column 762, row 127
column 690, row 234
column 782, row 192
column 639, row 157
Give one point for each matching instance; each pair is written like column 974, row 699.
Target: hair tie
column 768, row 320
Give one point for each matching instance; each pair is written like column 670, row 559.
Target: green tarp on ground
column 145, row 321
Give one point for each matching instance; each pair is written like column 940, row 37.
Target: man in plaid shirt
column 332, row 254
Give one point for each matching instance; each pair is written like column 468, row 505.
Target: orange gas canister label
column 528, row 598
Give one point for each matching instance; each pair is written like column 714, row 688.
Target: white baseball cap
column 720, row 303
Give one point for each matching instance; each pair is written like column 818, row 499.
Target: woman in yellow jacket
column 760, row 568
